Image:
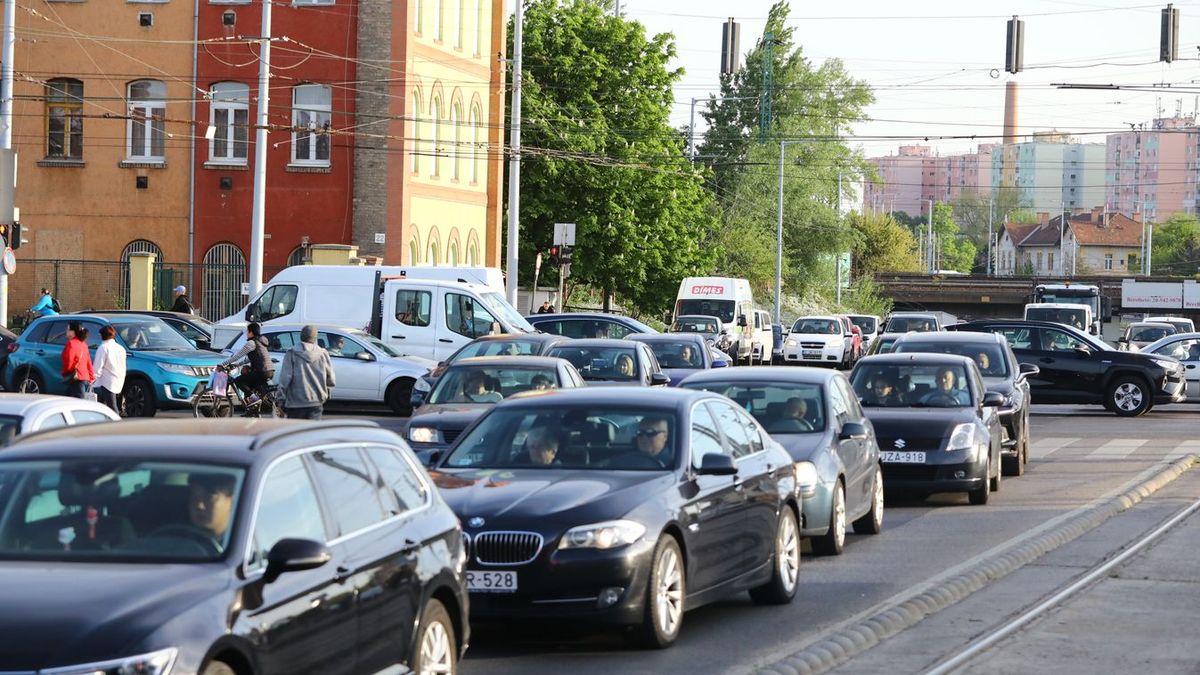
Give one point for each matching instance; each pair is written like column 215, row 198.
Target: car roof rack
column 283, row 432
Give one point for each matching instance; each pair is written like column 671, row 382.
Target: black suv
column 1077, row 368
column 225, row 547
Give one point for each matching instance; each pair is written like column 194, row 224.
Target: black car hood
column 1000, row 385
column 889, row 420
column 449, row 416
column 526, row 496
column 60, row 614
column 1133, row 358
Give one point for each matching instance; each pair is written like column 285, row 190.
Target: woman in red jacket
column 76, row 361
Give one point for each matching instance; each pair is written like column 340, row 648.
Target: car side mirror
column 741, row 321
column 720, row 363
column 717, row 464
column 1028, row 370
column 1082, row 351
column 365, row 356
column 295, row 555
column 853, row 431
column 659, row 379
column 993, row 399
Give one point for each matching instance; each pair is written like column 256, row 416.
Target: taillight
column 13, row 346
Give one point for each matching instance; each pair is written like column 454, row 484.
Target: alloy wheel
column 669, row 594
column 877, row 499
column 788, row 553
column 838, row 520
column 29, row 385
column 1128, row 396
column 436, row 656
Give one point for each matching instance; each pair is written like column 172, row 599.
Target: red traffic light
column 554, row 251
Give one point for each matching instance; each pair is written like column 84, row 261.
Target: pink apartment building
column 1152, row 169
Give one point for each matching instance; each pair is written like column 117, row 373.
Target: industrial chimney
column 1010, row 112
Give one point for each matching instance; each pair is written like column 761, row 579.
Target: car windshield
column 677, row 354
column 150, row 335
column 866, row 324
column 513, row 347
column 1149, row 333
column 791, row 408
column 96, row 510
column 813, row 326
column 906, row 324
column 500, row 307
column 1181, row 326
column 489, row 384
column 722, row 309
column 989, row 357
column 615, row 364
column 912, row 386
column 376, row 343
column 587, row 437
column 10, row 426
column 695, row 325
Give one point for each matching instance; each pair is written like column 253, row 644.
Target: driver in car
column 945, row 393
column 795, row 417
column 984, row 362
column 210, row 503
column 651, row 440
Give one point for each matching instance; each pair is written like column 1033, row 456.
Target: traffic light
column 1168, row 41
column 1014, row 48
column 15, row 241
column 4, row 232
column 565, row 254
column 552, row 254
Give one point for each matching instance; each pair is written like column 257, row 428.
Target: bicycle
column 208, row 404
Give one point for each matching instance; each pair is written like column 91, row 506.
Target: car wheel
column 781, row 589
column 399, row 397
column 979, row 496
column 1015, row 466
column 138, row 398
column 218, row 668
column 29, row 382
column 872, row 522
column 208, row 404
column 1129, row 396
column 994, row 483
column 665, row 594
column 834, row 541
column 436, row 652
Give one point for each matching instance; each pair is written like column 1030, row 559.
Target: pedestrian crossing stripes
column 1117, row 448
column 1046, row 446
column 1184, row 448
column 1114, row 449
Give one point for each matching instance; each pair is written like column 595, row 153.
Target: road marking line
column 1046, row 446
column 1117, row 448
column 1182, row 449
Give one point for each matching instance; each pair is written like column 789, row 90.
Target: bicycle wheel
column 208, row 404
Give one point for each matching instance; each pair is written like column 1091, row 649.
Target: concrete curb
column 836, row 649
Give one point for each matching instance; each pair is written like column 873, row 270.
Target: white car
column 817, row 340
column 366, row 369
column 1181, row 324
column 764, row 338
column 26, row 413
column 1186, row 348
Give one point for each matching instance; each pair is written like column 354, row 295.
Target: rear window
column 867, row 324
column 989, row 357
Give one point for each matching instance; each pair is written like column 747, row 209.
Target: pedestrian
column 109, row 366
column 46, row 305
column 77, row 370
column 306, row 377
column 546, row 308
column 182, row 304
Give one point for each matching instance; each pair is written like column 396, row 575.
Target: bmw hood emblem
column 475, row 522
column 900, row 443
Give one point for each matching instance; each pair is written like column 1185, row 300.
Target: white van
column 763, row 339
column 727, row 298
column 445, row 301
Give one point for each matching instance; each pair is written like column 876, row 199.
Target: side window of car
column 467, row 317
column 572, row 328
column 617, row 331
column 753, row 431
column 1060, row 341
column 281, row 342
column 87, row 416
column 400, row 485
column 1020, row 338
column 339, row 346
column 838, row 401
column 730, row 423
column 52, row 422
column 38, row 332
column 851, row 401
column 413, row 307
column 348, row 487
column 706, row 440
column 288, row 509
column 56, row 333
column 1184, row 350
column 93, row 338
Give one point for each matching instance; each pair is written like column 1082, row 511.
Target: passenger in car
column 210, row 502
column 625, row 366
column 541, row 383
column 541, row 446
column 478, row 389
column 794, row 418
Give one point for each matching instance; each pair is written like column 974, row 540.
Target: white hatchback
column 816, row 340
column 26, row 413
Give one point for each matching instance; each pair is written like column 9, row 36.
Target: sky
column 936, row 66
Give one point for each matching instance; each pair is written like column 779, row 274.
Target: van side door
column 464, row 318
column 409, row 325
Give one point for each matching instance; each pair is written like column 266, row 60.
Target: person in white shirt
column 109, row 365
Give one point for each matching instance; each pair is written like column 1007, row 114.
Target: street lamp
column 692, row 123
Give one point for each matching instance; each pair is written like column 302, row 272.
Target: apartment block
column 1153, row 170
column 900, row 181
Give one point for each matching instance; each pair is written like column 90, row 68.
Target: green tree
column 1177, row 246
column 600, row 152
column 954, row 251
column 881, row 245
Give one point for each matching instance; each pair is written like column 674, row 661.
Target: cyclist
column 258, row 371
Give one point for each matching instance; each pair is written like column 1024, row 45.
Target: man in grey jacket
column 306, row 377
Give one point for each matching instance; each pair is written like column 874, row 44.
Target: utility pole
column 991, row 205
column 258, row 213
column 837, row 266
column 929, row 258
column 6, row 119
column 692, row 123
column 514, row 158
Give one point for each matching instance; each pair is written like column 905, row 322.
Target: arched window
column 230, row 117
column 452, row 254
column 412, row 251
column 416, row 136
column 437, row 20
column 431, row 256
column 298, row 256
column 136, row 246
column 419, row 7
column 435, row 134
column 475, row 154
column 456, row 152
column 64, row 119
column 312, row 106
column 146, row 135
column 479, row 23
column 472, row 255
column 224, row 271
column 458, row 29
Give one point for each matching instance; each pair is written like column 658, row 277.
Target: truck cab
column 1078, row 317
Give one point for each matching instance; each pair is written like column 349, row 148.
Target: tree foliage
column 600, row 152
column 1176, row 246
column 954, row 251
column 881, row 245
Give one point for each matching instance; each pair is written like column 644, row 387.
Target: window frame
column 141, row 112
column 313, row 136
column 61, row 99
column 327, row 500
column 249, row 548
column 231, row 108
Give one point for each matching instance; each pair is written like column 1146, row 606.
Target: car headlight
column 154, row 663
column 423, row 435
column 962, row 438
column 806, row 477
column 177, row 368
column 1165, row 364
column 421, row 384
column 606, row 535
column 790, row 343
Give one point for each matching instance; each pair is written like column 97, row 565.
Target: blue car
column 163, row 369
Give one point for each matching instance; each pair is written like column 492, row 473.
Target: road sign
column 10, row 261
column 564, row 233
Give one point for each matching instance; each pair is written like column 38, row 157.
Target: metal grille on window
column 136, row 246
column 224, row 273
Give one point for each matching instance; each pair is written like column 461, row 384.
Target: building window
column 456, row 154
column 1038, row 266
column 431, row 256
column 472, row 255
column 311, row 106
column 435, row 135
column 452, row 254
column 412, row 251
column 146, row 135
column 479, row 26
column 419, row 10
column 1108, row 261
column 231, row 121
column 64, row 119
column 416, row 135
column 458, row 29
column 1050, row 261
column 440, row 11
column 475, row 157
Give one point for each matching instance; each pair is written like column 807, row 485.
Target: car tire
column 436, row 651
column 217, row 668
column 979, row 496
column 785, row 577
column 28, row 381
column 399, row 397
column 994, row 483
column 665, row 596
column 833, row 542
column 1015, row 466
column 1128, row 396
column 872, row 522
column 137, row 398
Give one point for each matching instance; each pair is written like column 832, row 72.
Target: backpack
column 54, row 305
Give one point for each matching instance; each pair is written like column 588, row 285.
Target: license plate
column 895, row 457
column 811, row 354
column 491, row 582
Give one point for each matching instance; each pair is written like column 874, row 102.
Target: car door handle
column 1190, row 366
column 410, row 547
column 446, row 340
column 397, row 337
column 39, row 352
column 341, row 574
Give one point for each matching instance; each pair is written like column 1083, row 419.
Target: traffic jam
column 561, row 467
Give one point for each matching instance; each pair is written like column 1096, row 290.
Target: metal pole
column 6, row 119
column 837, row 268
column 259, row 211
column 1149, row 248
column 929, row 239
column 692, row 133
column 779, row 243
column 514, row 157
column 1062, row 251
column 991, row 205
